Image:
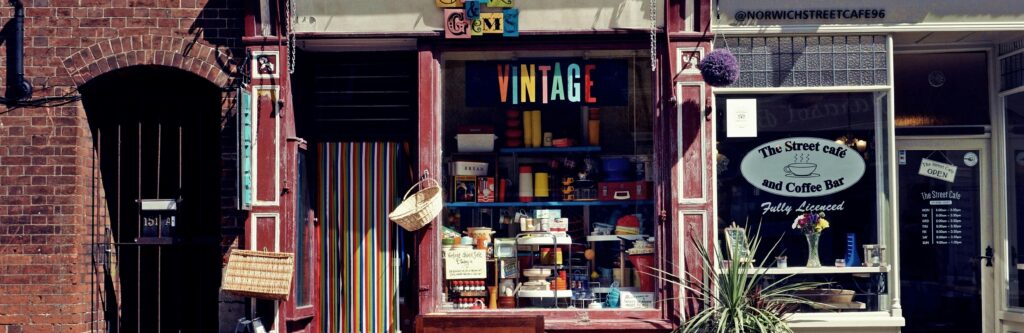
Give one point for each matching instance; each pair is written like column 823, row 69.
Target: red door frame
column 666, row 199
column 290, row 316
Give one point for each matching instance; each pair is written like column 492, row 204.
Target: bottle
column 594, row 127
column 558, row 257
column 527, row 129
column 525, row 183
column 537, row 135
column 540, row 186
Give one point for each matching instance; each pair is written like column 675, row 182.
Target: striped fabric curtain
column 360, row 280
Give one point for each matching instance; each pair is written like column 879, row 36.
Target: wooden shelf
column 545, row 293
column 544, row 239
column 550, row 150
column 546, row 204
column 816, row 270
column 840, row 306
column 605, row 290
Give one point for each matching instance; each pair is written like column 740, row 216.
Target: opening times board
column 942, row 223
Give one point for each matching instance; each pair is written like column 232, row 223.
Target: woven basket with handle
column 259, row 274
column 418, row 209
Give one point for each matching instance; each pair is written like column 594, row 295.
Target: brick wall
column 46, row 209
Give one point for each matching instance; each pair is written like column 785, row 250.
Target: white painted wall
column 404, row 16
column 949, row 14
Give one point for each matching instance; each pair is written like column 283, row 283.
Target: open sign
column 937, row 170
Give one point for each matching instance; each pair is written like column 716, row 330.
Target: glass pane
column 799, row 163
column 1015, row 194
column 548, row 180
column 953, row 89
column 809, row 61
column 303, row 253
column 939, row 218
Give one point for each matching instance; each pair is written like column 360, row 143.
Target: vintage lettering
column 554, row 82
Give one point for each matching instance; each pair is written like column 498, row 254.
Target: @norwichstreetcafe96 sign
column 802, row 167
column 464, row 19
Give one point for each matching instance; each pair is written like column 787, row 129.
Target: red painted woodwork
column 661, row 319
column 472, row 324
column 266, row 142
column 266, row 234
column 427, row 239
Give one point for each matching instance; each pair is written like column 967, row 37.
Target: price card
column 636, row 300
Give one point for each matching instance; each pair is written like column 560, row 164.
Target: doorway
column 156, row 134
column 945, row 234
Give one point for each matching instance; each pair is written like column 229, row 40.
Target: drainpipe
column 17, row 87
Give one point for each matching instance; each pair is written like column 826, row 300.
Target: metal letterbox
column 159, row 217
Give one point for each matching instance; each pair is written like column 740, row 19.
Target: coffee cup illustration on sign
column 801, row 167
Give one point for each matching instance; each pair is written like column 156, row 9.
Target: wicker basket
column 418, row 209
column 258, row 274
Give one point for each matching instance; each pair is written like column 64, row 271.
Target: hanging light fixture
column 849, row 139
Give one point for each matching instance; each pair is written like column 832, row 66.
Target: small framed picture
column 464, row 189
column 736, row 244
column 265, row 65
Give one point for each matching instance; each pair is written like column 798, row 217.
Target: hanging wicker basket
column 418, row 209
column 259, row 274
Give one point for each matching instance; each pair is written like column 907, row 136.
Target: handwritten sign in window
column 460, row 264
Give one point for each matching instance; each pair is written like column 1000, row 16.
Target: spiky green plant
column 737, row 298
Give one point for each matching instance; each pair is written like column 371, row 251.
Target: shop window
column 548, row 177
column 784, row 157
column 1014, row 105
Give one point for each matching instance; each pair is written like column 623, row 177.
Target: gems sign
column 802, row 167
column 539, row 82
column 466, row 18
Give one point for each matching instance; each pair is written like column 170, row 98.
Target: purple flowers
column 719, row 68
column 810, row 223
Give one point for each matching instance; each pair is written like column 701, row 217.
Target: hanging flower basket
column 719, row 68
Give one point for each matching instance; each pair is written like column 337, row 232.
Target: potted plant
column 737, row 297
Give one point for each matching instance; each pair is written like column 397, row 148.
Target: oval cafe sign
column 802, row 167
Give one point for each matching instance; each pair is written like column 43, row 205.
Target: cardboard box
column 485, row 189
column 465, row 168
column 464, row 189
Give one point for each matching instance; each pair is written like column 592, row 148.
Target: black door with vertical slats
column 156, row 135
column 364, row 96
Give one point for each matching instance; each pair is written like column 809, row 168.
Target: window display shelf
column 819, row 270
column 544, row 240
column 613, row 238
column 546, row 204
column 545, row 293
column 549, row 150
column 605, row 290
column 840, row 306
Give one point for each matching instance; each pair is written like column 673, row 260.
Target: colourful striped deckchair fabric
column 357, row 183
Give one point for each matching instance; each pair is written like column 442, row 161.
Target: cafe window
column 548, row 181
column 808, row 170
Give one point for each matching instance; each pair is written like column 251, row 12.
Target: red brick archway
column 185, row 54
